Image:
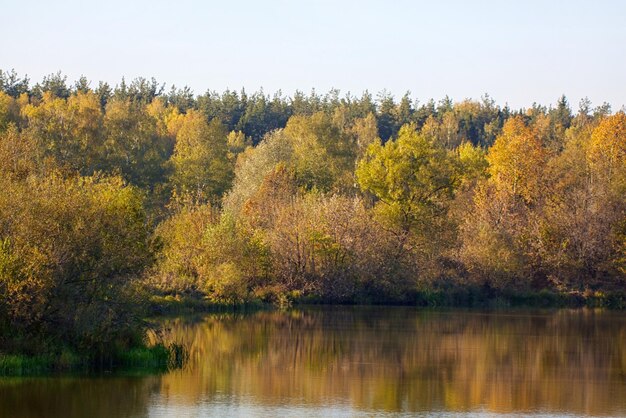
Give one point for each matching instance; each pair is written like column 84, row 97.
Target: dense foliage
column 237, row 197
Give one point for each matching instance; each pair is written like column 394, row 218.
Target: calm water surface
column 361, row 362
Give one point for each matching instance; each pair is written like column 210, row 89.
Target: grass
column 21, row 365
column 154, row 359
column 158, row 357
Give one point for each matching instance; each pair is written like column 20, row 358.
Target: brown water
column 361, row 362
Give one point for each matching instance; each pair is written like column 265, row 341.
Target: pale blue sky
column 517, row 51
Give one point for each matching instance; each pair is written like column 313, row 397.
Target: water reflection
column 346, row 361
column 94, row 397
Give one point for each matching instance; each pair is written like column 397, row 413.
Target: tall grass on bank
column 158, row 358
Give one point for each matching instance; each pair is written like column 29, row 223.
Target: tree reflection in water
column 361, row 360
column 396, row 359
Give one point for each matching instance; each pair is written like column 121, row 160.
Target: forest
column 115, row 198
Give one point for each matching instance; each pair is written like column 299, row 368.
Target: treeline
column 107, row 192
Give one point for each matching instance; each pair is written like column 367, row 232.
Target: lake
column 360, row 361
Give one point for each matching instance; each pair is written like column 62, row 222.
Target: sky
column 518, row 52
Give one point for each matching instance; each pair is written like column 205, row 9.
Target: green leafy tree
column 410, row 177
column 200, row 163
column 132, row 145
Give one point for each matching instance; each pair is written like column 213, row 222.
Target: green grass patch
column 157, row 358
column 20, row 365
column 144, row 360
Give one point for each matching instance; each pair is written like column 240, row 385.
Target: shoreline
column 159, row 358
column 463, row 298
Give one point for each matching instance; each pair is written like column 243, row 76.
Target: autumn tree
column 9, row 111
column 581, row 235
column 132, row 145
column 68, row 251
column 516, row 160
column 324, row 154
column 413, row 181
column 200, row 163
column 252, row 167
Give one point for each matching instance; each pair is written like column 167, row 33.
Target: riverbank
column 470, row 297
column 159, row 358
column 489, row 298
column 154, row 359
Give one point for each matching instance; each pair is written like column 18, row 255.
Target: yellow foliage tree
column 516, row 160
column 606, row 154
